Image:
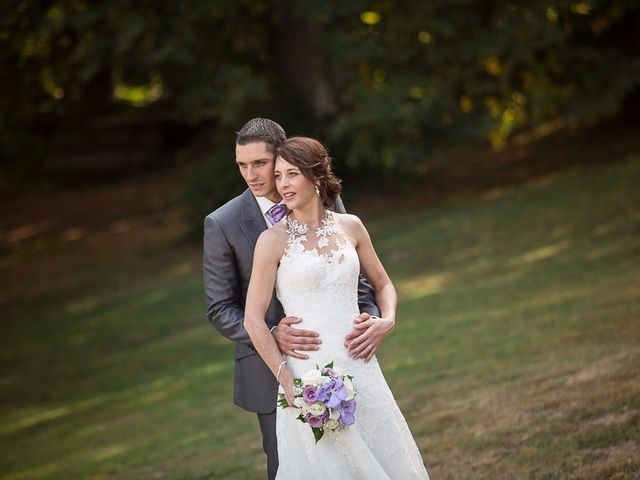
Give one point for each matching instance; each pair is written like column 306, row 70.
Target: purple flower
column 334, row 391
column 316, row 421
column 347, row 411
column 348, row 406
column 310, row 395
column 322, row 394
column 331, row 372
column 347, row 418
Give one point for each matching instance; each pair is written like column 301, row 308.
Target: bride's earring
column 317, row 191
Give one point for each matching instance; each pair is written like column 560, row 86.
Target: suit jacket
column 230, row 235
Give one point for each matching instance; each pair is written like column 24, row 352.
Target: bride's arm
column 375, row 329
column 263, row 274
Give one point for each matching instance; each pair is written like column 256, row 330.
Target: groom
column 230, row 235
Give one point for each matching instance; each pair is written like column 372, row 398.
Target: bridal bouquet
column 326, row 399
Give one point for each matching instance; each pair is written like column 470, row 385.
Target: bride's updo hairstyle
column 313, row 160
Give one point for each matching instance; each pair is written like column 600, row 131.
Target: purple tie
column 277, row 213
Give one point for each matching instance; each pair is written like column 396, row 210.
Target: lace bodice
column 317, row 277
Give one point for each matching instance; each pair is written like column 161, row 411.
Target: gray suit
column 230, row 235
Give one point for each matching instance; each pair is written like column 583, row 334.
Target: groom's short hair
column 262, row 130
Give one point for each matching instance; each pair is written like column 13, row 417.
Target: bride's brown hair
column 313, row 160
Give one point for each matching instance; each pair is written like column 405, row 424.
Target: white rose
column 348, row 385
column 334, row 414
column 331, row 425
column 312, row 377
column 317, row 409
column 299, row 402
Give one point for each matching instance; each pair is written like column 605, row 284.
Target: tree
column 382, row 82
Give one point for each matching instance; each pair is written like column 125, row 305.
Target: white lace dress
column 317, row 280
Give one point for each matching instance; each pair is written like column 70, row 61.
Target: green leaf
column 317, row 433
column 282, row 401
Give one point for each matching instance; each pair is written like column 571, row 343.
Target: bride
column 313, row 258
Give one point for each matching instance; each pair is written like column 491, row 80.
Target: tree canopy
column 381, row 82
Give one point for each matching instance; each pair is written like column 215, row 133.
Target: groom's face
column 256, row 162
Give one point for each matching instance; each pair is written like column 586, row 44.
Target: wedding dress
column 317, row 280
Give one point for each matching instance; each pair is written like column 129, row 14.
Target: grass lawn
column 516, row 354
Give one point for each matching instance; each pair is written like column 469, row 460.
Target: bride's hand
column 286, row 381
column 373, row 331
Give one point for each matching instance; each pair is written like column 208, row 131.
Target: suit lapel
column 252, row 222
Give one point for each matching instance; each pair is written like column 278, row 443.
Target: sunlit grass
column 516, row 354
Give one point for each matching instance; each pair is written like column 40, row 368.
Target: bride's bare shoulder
column 349, row 220
column 273, row 239
column 351, row 225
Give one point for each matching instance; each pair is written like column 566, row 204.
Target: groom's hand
column 290, row 340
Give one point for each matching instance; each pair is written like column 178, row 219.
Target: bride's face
column 295, row 189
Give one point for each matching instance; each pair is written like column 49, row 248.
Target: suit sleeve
column 225, row 309
column 366, row 295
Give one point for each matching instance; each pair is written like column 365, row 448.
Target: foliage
column 414, row 75
column 67, row 58
column 382, row 82
column 211, row 182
